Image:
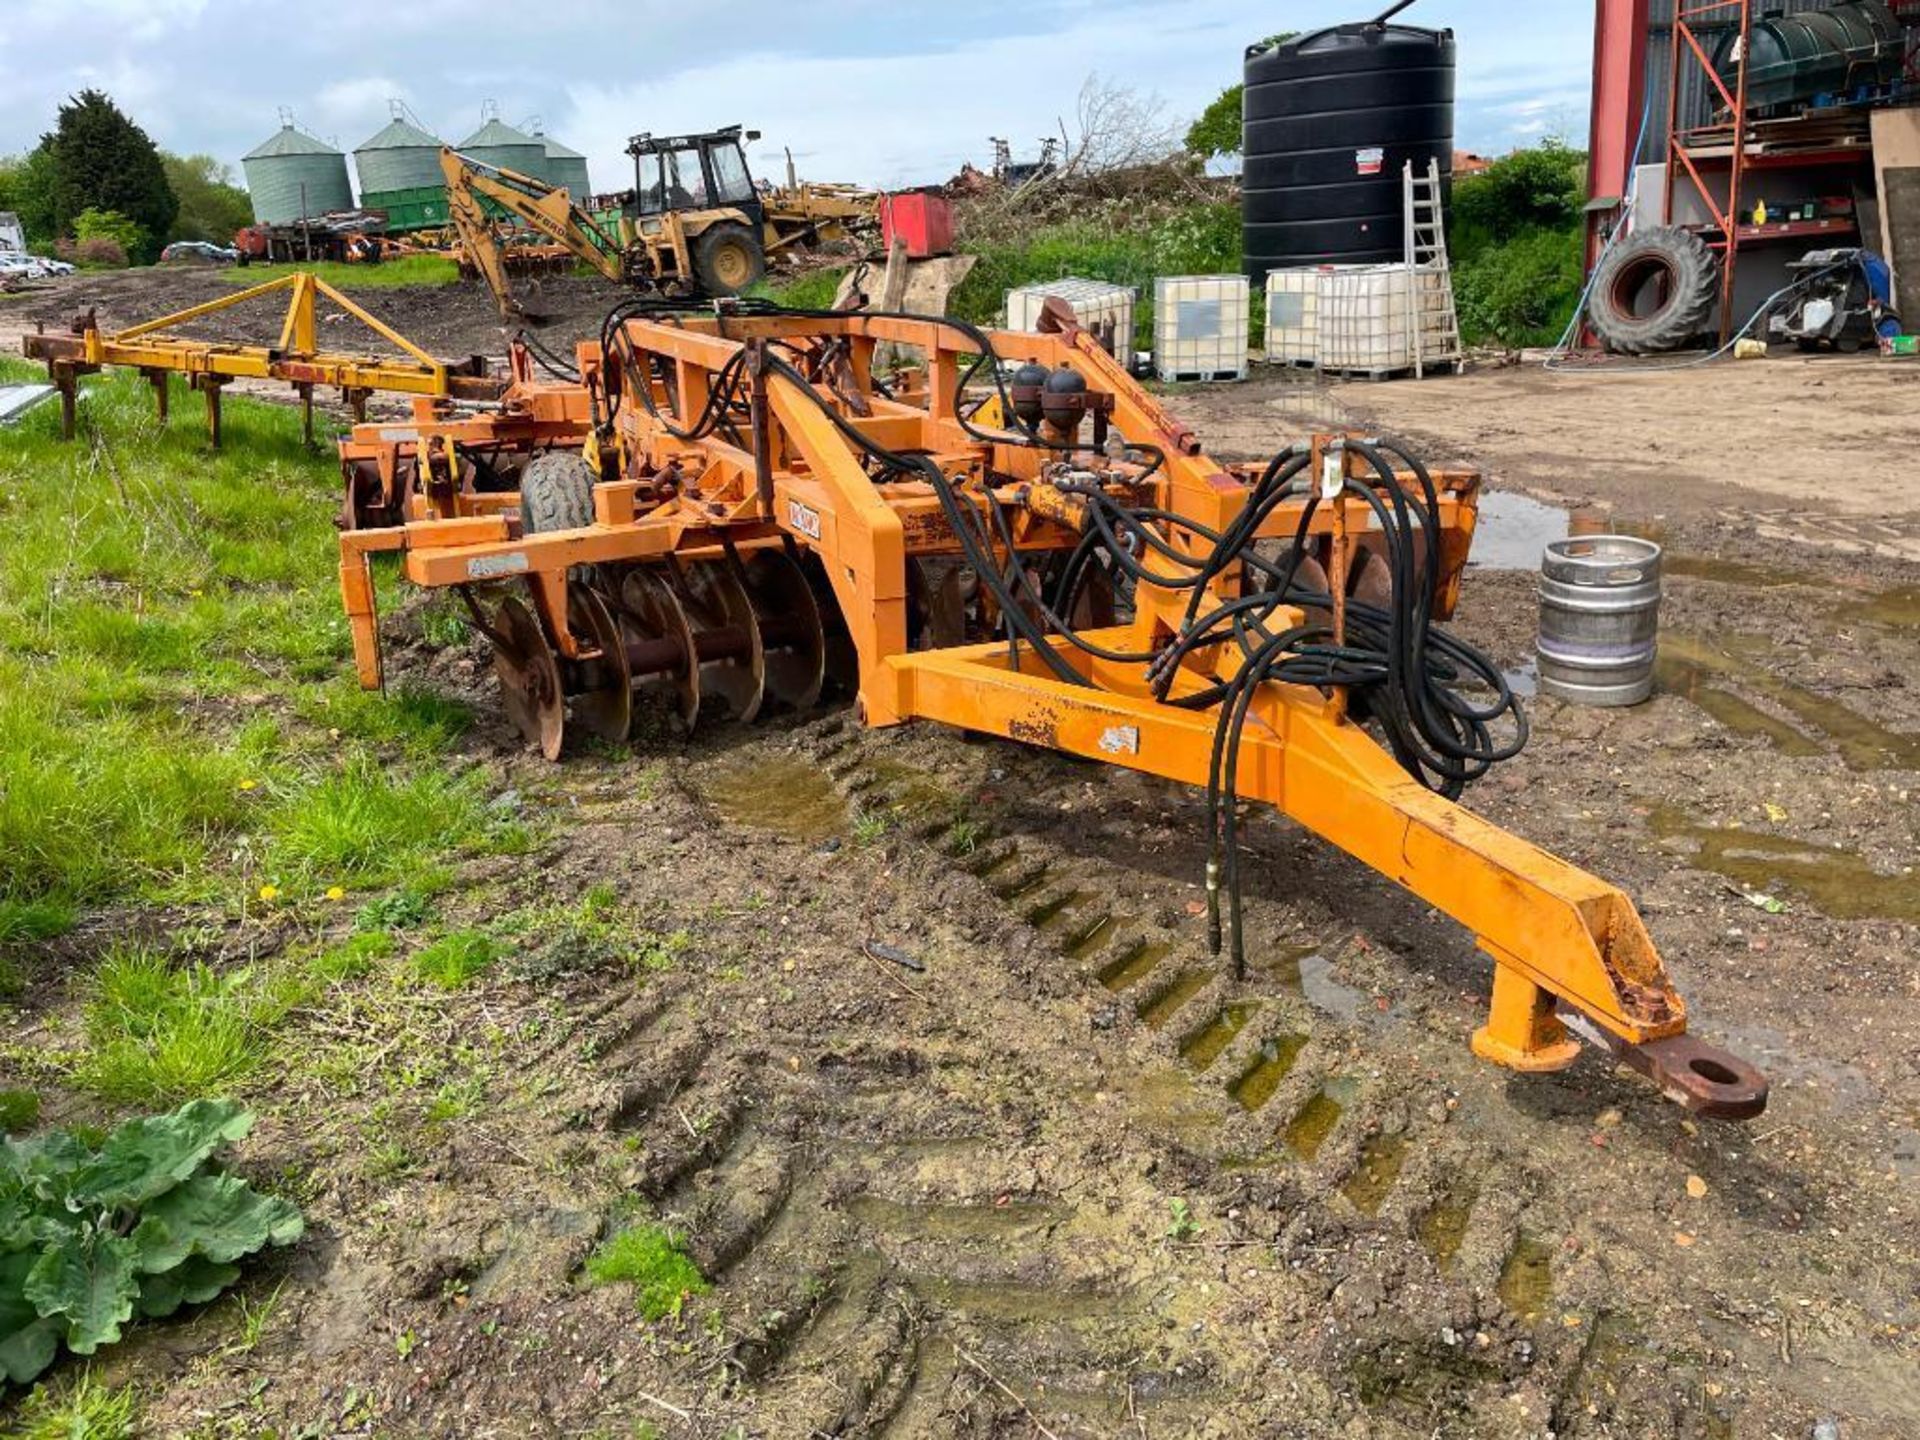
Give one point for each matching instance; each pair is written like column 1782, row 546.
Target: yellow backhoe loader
column 695, row 223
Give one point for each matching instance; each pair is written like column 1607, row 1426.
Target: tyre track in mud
column 1282, row 1073
column 913, row 1189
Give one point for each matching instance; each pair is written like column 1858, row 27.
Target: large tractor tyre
column 729, row 260
column 1654, row 292
column 556, row 493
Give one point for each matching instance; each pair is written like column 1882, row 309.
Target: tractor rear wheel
column 1654, row 291
column 729, row 260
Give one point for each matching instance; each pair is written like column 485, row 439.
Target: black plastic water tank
column 1330, row 119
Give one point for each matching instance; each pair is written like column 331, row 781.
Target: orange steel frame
column 1687, row 50
column 1557, row 935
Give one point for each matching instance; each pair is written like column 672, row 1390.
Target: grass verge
column 387, row 275
column 176, row 722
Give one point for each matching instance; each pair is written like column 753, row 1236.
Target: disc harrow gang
column 725, row 635
column 1009, row 536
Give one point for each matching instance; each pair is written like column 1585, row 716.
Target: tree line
column 98, row 190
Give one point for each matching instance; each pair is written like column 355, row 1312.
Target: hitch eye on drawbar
column 1700, row 1077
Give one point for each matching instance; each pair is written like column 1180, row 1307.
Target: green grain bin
column 295, row 176
column 400, row 157
column 505, row 148
column 567, row 168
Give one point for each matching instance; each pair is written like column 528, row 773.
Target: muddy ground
column 1071, row 1180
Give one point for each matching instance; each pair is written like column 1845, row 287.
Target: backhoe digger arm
column 547, row 208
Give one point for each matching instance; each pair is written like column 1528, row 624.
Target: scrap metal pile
column 733, row 505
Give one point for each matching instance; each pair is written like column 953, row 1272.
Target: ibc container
column 1293, row 311
column 1105, row 310
column 1200, row 327
column 1366, row 314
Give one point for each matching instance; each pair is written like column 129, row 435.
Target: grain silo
column 498, row 144
column 566, row 167
column 400, row 174
column 295, row 176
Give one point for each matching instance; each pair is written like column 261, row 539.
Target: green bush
column 1521, row 291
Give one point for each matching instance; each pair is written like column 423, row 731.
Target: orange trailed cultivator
column 730, row 508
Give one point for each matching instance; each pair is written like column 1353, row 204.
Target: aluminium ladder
column 1433, row 322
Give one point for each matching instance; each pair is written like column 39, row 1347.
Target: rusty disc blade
column 794, row 646
column 651, row 612
column 603, row 701
column 529, row 677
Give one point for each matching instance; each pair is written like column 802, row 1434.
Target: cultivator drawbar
column 730, row 509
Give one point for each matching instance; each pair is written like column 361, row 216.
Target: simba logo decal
column 488, row 566
column 803, row 519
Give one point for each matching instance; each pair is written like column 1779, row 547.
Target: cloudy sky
column 875, row 91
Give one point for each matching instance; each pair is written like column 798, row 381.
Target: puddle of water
column 1897, row 609
column 1057, row 912
column 1284, row 965
column 1255, row 1085
column 952, row 1222
column 1133, row 963
column 1200, row 1048
column 1524, row 679
column 1444, row 1227
column 1323, row 992
column 1687, row 679
column 786, row 795
column 1091, row 940
column 1840, row 883
column 1164, row 1004
column 1513, row 531
column 1308, row 1130
column 1312, row 409
column 1863, row 744
column 1526, row 1279
column 1732, row 572
column 1380, row 1161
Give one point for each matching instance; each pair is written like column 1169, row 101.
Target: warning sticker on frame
column 1370, row 160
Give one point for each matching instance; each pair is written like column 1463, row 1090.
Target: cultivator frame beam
column 790, row 477
column 295, row 357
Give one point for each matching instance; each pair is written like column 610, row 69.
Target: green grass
column 160, row 1033
column 388, row 275
column 361, row 823
column 19, row 1111
column 454, row 960
column 175, row 707
column 351, row 958
column 77, row 1409
column 652, row 1260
